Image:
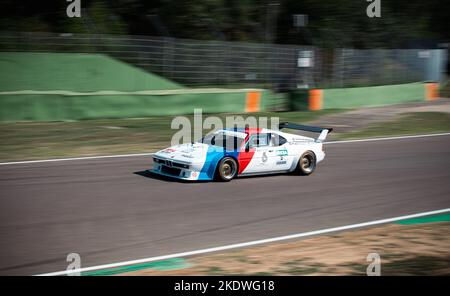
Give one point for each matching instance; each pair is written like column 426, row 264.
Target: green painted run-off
column 170, row 264
column 427, row 219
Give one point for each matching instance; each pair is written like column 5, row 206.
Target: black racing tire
column 307, row 163
column 227, row 169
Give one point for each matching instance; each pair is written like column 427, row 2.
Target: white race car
column 228, row 153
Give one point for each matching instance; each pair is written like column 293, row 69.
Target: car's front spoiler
column 198, row 177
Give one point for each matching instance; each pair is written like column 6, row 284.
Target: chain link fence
column 382, row 66
column 198, row 63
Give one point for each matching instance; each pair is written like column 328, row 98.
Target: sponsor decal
column 281, row 162
column 282, row 152
column 168, row 150
column 187, row 155
column 301, row 141
column 189, row 150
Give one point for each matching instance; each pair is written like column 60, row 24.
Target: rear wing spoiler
column 324, row 131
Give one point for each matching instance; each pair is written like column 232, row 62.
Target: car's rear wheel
column 227, row 169
column 307, row 163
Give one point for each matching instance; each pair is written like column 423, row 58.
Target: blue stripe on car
column 213, row 156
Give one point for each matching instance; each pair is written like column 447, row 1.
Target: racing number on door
column 265, row 155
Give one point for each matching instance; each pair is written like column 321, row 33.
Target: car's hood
column 188, row 153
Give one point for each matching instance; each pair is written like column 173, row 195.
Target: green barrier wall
column 373, row 96
column 74, row 72
column 73, row 107
column 59, row 86
column 298, row 100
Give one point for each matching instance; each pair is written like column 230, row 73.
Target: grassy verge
column 39, row 140
column 444, row 90
column 408, row 123
column 413, row 249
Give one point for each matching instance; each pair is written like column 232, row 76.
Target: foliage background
column 338, row 23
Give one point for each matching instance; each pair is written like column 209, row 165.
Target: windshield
column 224, row 139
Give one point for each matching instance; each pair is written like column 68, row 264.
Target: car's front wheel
column 307, row 163
column 227, row 169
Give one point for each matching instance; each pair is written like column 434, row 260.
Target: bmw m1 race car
column 228, row 153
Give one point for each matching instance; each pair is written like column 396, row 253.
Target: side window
column 259, row 140
column 277, row 140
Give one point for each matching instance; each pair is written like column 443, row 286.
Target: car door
column 283, row 158
column 264, row 155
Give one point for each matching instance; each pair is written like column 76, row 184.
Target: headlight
column 180, row 165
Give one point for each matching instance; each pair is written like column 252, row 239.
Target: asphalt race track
column 108, row 210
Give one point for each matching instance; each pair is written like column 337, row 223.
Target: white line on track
column 387, row 138
column 149, row 154
column 76, row 158
column 246, row 244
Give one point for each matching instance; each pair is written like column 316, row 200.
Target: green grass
column 444, row 89
column 41, row 140
column 214, row 270
column 416, row 266
column 299, row 267
column 409, row 123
